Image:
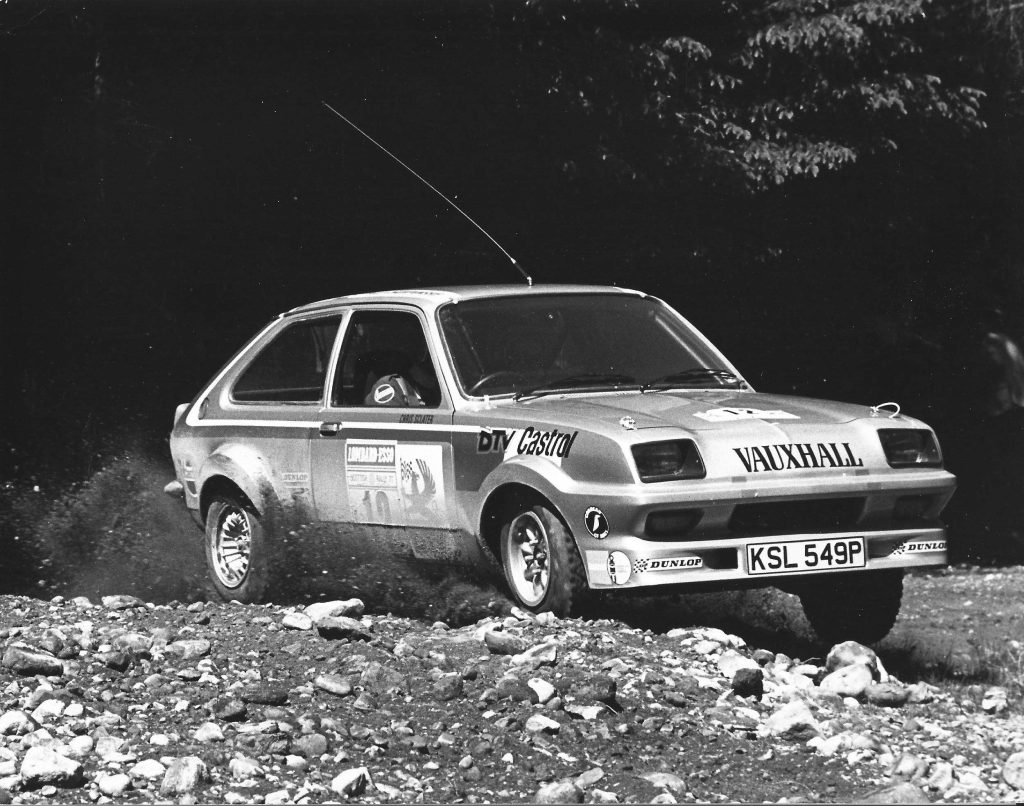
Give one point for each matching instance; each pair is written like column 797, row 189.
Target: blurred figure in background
column 986, row 516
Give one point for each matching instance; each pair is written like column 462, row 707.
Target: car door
column 383, row 456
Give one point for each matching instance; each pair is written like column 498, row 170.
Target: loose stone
column 1013, row 770
column 748, row 682
column 333, row 684
column 559, row 792
column 149, row 769
column 113, row 785
column 351, row 783
column 42, row 766
column 891, row 695
column 848, row 681
column 25, row 660
column 338, row 627
column 297, row 621
column 183, row 776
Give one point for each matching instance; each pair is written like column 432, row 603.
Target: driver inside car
column 415, row 388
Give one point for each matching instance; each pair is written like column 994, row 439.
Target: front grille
column 796, row 517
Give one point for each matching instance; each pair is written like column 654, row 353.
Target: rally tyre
column 859, row 607
column 237, row 550
column 541, row 562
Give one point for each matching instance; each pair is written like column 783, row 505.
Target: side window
column 292, row 367
column 385, row 361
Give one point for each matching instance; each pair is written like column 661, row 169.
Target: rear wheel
column 541, row 562
column 237, row 554
column 858, row 607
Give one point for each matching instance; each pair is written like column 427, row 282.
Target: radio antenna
column 453, row 205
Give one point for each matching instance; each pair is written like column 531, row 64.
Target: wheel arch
column 217, row 486
column 236, row 470
column 500, row 504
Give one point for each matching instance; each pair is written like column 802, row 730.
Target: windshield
column 537, row 344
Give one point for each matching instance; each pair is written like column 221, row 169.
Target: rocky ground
column 133, row 702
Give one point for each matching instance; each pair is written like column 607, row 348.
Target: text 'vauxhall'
column 797, row 456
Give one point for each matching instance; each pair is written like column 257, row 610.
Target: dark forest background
column 830, row 190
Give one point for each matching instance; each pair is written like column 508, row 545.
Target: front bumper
column 633, row 563
column 715, row 550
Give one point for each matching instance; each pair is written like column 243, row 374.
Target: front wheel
column 541, row 562
column 859, row 607
column 237, row 554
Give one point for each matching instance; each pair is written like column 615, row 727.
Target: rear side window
column 292, row 368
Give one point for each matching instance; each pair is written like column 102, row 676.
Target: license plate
column 796, row 556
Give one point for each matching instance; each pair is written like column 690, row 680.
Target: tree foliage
column 748, row 93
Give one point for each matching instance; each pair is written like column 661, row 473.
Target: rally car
column 577, row 438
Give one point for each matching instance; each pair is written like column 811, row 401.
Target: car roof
column 432, row 298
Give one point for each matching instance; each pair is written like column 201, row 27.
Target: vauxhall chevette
column 575, row 439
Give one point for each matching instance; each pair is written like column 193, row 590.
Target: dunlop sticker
column 918, row 547
column 668, row 564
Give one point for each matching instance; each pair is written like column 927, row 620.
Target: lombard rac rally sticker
column 597, row 523
column 728, row 415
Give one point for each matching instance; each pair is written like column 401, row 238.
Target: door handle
column 330, row 429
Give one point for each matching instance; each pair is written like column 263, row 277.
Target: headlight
column 668, row 461
column 910, row 447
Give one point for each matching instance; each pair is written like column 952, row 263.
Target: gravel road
column 126, row 701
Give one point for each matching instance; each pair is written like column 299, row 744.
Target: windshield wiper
column 689, row 376
column 575, row 382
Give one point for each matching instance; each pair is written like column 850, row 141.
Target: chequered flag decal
column 639, row 566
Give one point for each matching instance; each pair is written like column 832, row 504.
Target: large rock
column 16, row 723
column 351, row 783
column 264, row 694
column 244, row 768
column 850, row 653
column 545, row 654
column 347, row 607
column 542, row 689
column 113, row 785
column 122, row 602
column 666, row 780
column 208, row 732
column 148, row 769
column 297, row 621
column 994, row 700
column 337, row 627
column 448, row 687
column 748, row 682
column 898, row 793
column 559, row 792
column 848, row 681
column 312, row 745
column 731, row 661
column 891, row 695
column 26, row 660
column 133, row 642
column 333, row 684
column 189, row 649
column 794, row 717
column 1013, row 770
column 44, row 767
column 184, row 776
column 538, row 723
column 503, row 643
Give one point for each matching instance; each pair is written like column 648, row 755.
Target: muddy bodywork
column 781, row 476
